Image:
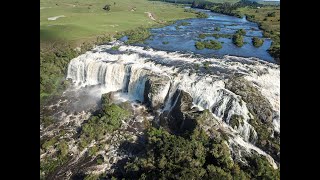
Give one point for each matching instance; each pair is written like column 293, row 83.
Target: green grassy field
column 85, row 19
column 271, row 23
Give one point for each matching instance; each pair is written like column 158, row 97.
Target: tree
column 237, row 39
column 271, row 14
column 199, row 45
column 107, row 7
column 257, row 42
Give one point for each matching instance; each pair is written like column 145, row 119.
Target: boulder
column 156, row 90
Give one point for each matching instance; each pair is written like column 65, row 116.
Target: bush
column 202, row 36
column 184, row 23
column 201, row 15
column 237, row 39
column 257, row 42
column 115, row 48
column 138, row 35
column 107, row 7
column 241, row 32
column 212, row 44
column 206, row 64
column 271, row 14
column 108, row 121
column 165, row 42
column 217, row 29
column 199, row 45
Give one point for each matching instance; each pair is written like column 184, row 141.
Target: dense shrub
column 257, row 42
column 199, row 45
column 237, row 39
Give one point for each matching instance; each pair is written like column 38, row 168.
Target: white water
column 128, row 72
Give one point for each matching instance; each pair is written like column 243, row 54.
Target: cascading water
column 129, row 71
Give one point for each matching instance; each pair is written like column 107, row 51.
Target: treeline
column 176, row 1
column 224, row 8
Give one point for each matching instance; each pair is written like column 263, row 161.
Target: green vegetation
column 261, row 109
column 202, row 36
column 199, row 45
column 137, row 35
column 217, row 28
column 46, row 121
column 107, row 7
column 201, row 15
column 85, row 20
column 236, row 120
column 87, row 23
column 257, row 42
column 266, row 141
column 206, row 64
column 61, row 156
column 210, row 44
column 237, row 39
column 271, row 14
column 169, row 156
column 269, row 25
column 184, row 24
column 192, row 1
column 107, row 121
column 241, row 32
column 165, row 42
column 115, row 48
column 267, row 16
column 221, row 35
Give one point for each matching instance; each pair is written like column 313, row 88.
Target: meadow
column 84, row 20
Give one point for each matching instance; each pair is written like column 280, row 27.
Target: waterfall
column 129, row 71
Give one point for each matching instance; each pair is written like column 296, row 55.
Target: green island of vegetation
column 209, row 44
column 237, row 40
column 257, row 42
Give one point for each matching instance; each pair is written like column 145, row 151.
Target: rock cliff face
column 156, row 90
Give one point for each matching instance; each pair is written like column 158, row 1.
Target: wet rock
column 107, row 98
column 257, row 104
column 156, row 90
column 182, row 117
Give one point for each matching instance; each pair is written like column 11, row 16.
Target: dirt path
column 150, row 15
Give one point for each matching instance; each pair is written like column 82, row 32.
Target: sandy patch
column 55, row 18
column 150, row 15
column 44, row 7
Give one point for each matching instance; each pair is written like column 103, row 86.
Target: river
column 177, row 37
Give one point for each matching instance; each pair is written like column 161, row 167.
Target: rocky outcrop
column 257, row 104
column 183, row 117
column 179, row 118
column 107, row 98
column 156, row 90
